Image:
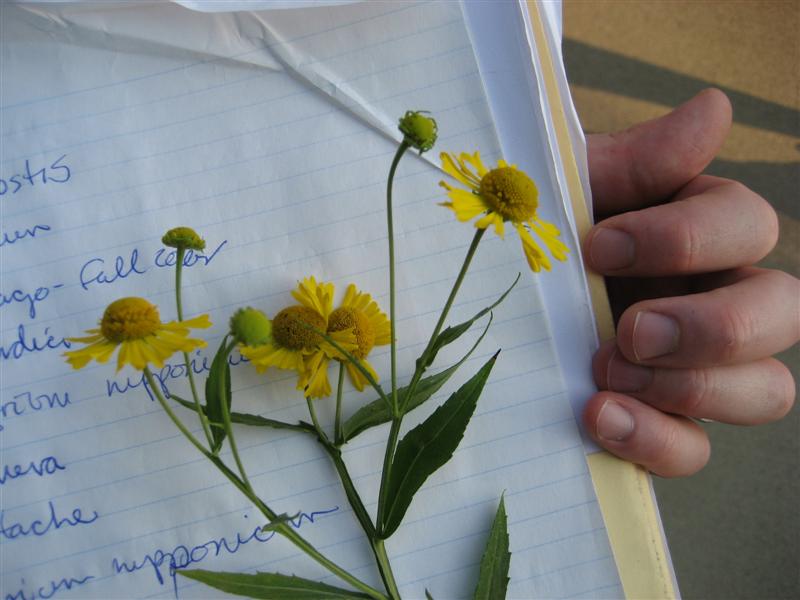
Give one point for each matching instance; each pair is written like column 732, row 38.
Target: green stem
column 397, row 419
column 313, row 412
column 360, row 511
column 226, row 421
column 401, row 149
column 200, row 414
column 420, row 370
column 337, row 427
column 283, row 529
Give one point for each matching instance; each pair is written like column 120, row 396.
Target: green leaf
column 377, row 413
column 429, row 446
column 280, row 520
column 272, row 586
column 428, row 595
column 252, row 420
column 451, row 334
column 493, row 578
column 218, row 390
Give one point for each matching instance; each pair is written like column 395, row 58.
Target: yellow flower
column 371, row 327
column 501, row 194
column 134, row 325
column 293, row 344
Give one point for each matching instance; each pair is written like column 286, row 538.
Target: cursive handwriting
column 49, row 589
column 46, row 466
column 57, row 172
column 39, row 528
column 29, row 298
column 20, row 234
column 98, row 271
column 198, row 365
column 31, row 345
column 26, row 402
column 182, row 556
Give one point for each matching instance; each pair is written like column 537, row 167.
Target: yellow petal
column 358, row 379
column 537, row 259
column 466, row 205
column 313, row 379
column 549, row 234
column 316, row 296
column 457, row 171
column 476, row 162
column 492, row 218
column 269, row 355
column 346, row 340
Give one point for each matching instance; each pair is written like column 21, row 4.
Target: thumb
column 648, row 163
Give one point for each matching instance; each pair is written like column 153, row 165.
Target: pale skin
column 697, row 324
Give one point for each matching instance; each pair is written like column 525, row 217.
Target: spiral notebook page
column 271, row 134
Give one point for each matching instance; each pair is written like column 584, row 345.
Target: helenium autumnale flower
column 293, row 342
column 134, row 326
column 502, row 194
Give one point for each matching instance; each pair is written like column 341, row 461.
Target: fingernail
column 622, row 376
column 614, row 423
column 654, row 335
column 611, row 249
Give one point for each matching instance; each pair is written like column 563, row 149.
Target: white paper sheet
column 271, row 134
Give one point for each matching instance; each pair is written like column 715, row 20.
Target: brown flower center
column 347, row 318
column 290, row 328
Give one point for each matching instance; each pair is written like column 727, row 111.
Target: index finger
column 650, row 162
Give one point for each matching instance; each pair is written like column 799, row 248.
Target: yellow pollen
column 289, row 328
column 510, row 193
column 345, row 318
column 129, row 319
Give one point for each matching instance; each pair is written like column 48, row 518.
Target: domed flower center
column 347, row 318
column 129, row 319
column 290, row 328
column 510, row 193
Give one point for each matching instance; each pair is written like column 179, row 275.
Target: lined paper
column 271, row 134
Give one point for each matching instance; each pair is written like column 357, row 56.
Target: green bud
column 418, row 130
column 183, row 237
column 251, row 327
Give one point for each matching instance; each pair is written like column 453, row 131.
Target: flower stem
column 419, row 371
column 226, row 421
column 337, row 427
column 401, row 149
column 246, row 490
column 179, row 305
column 397, row 420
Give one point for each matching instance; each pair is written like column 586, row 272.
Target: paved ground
column 734, row 529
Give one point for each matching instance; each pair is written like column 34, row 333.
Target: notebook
column 270, row 132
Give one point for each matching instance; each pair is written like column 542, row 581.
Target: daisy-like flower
column 293, row 344
column 371, row 327
column 501, row 194
column 134, row 326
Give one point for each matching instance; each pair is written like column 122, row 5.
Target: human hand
column 696, row 323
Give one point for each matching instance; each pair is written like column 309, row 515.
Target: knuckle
column 735, row 331
column 688, row 245
column 700, row 387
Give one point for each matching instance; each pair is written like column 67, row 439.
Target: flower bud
column 251, row 327
column 419, row 131
column 184, row 238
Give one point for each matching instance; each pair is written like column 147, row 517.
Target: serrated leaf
column 218, row 390
column 428, row 446
column 451, row 334
column 271, row 586
column 377, row 412
column 493, row 578
column 248, row 419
